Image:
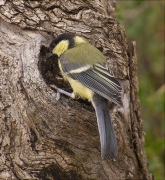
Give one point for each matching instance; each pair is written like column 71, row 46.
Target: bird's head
column 64, row 42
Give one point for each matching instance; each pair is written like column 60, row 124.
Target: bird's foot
column 60, row 91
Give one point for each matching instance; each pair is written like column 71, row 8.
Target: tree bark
column 48, row 139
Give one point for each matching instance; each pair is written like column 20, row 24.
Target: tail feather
column 106, row 131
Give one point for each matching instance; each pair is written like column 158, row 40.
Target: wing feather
column 93, row 81
column 96, row 77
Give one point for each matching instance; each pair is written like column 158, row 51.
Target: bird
column 86, row 69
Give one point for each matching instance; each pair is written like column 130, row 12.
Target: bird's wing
column 96, row 77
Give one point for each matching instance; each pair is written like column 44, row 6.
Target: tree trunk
column 48, row 139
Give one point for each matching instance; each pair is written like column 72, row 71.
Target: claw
column 57, row 96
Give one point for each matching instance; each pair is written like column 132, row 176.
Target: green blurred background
column 143, row 22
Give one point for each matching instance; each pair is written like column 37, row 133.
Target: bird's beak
column 48, row 56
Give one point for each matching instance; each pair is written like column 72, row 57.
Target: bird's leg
column 72, row 95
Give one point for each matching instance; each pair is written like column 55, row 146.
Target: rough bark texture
column 44, row 139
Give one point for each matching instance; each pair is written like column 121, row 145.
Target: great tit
column 85, row 68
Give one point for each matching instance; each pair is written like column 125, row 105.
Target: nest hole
column 50, row 71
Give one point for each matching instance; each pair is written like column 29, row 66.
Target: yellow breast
column 78, row 88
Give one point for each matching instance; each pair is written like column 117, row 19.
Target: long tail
column 106, row 131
